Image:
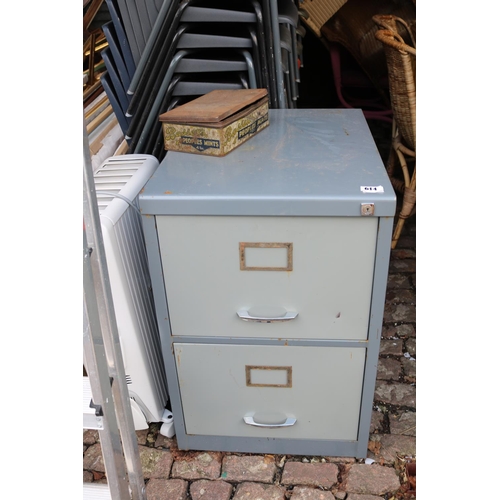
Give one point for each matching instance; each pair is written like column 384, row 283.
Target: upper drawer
column 320, row 268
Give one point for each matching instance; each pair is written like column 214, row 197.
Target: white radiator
column 118, row 182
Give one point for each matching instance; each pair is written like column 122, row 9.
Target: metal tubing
column 255, row 50
column 164, row 105
column 139, row 119
column 155, row 108
column 149, row 46
column 277, row 53
column 251, row 69
column 115, row 103
column 109, row 32
column 264, row 66
column 271, row 59
column 153, row 64
column 121, row 37
column 115, row 78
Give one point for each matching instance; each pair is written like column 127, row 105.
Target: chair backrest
column 353, row 27
column 207, row 14
column 399, row 26
column 401, row 64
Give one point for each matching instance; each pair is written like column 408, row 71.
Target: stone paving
column 387, row 473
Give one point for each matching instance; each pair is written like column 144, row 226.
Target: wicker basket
column 353, row 28
column 401, row 66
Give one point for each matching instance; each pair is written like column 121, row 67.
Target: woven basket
column 353, row 27
column 401, row 67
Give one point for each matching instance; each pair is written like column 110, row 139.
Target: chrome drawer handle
column 245, row 316
column 287, row 423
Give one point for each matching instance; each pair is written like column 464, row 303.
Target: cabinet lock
column 367, row 208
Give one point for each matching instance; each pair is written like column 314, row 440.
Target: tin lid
column 214, row 106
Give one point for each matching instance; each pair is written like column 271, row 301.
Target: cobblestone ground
column 171, row 474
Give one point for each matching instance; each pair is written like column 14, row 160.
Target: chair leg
column 408, row 187
column 397, row 184
column 408, row 208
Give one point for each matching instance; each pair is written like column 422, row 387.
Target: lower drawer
column 270, row 391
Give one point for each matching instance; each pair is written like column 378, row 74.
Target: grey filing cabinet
column 269, row 270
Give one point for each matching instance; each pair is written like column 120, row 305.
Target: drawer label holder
column 268, row 370
column 289, row 257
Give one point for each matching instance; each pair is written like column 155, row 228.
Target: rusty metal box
column 217, row 122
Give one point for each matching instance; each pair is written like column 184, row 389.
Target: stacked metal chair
column 119, row 63
column 196, row 46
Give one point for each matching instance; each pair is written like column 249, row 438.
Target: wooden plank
column 96, row 144
column 99, row 119
column 91, row 13
column 96, row 109
column 122, row 148
column 91, row 92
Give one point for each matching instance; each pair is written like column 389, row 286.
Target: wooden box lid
column 214, row 106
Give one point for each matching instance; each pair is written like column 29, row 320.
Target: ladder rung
column 93, row 491
column 90, row 419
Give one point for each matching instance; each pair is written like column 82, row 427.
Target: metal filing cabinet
column 269, row 270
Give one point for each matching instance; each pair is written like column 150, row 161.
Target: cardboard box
column 217, row 122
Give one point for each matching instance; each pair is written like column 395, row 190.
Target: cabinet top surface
column 306, row 162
